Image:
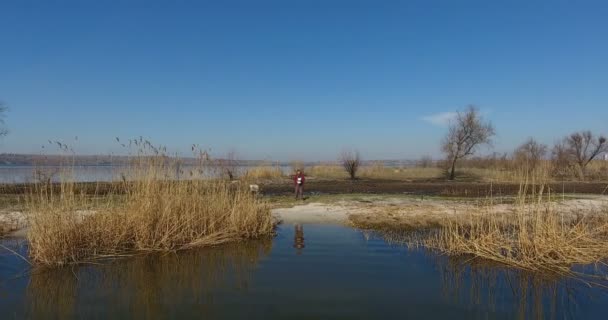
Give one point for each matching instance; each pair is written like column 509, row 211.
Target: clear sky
column 298, row 79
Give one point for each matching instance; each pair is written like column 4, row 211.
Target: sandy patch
column 417, row 213
column 312, row 213
column 15, row 223
column 11, row 221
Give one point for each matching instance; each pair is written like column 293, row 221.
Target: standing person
column 298, row 181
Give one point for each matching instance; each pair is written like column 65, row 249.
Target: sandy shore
column 313, row 213
column 12, row 221
column 416, row 212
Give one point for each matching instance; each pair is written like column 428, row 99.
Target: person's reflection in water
column 298, row 240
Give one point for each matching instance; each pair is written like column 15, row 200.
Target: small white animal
column 254, row 188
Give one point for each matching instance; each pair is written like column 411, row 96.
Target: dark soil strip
column 457, row 189
column 371, row 186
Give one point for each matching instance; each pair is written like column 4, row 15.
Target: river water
column 304, row 272
column 27, row 174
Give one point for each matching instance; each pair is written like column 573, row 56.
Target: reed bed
column 534, row 237
column 150, row 212
column 263, row 172
column 330, row 171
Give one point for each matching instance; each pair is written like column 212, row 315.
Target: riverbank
column 373, row 211
column 413, row 212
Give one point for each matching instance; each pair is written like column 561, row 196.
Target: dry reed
column 534, row 237
column 263, row 172
column 150, row 212
column 327, row 171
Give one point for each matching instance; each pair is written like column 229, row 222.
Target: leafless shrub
column 578, row 150
column 529, row 154
column 351, row 161
column 560, row 158
column 467, row 132
column 229, row 165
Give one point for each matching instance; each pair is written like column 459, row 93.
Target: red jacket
column 301, row 176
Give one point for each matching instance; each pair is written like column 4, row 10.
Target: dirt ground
column 371, row 186
column 435, row 188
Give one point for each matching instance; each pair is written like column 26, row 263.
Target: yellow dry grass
column 263, row 172
column 535, row 237
column 330, row 171
column 375, row 171
column 150, row 213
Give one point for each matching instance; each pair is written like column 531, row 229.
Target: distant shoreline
column 11, row 159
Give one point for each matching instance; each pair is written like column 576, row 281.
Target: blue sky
column 291, row 80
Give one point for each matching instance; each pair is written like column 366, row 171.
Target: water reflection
column 475, row 282
column 147, row 287
column 298, row 240
column 107, row 173
column 344, row 274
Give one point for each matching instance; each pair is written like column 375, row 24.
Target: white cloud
column 440, row 119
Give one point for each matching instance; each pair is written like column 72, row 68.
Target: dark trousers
column 300, row 191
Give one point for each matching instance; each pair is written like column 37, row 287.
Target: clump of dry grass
column 331, row 171
column 534, row 237
column 376, row 170
column 263, row 172
column 152, row 213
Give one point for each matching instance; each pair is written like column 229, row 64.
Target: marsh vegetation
column 533, row 232
column 149, row 211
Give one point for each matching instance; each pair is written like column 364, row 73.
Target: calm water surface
column 26, row 174
column 307, row 272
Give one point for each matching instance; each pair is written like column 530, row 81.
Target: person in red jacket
column 298, row 181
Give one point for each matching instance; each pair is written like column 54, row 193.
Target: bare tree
column 3, row 129
column 229, row 165
column 582, row 147
column 351, row 161
column 562, row 160
column 530, row 153
column 466, row 132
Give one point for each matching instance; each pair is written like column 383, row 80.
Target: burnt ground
column 431, row 188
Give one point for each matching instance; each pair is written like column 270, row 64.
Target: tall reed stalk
column 535, row 236
column 149, row 211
